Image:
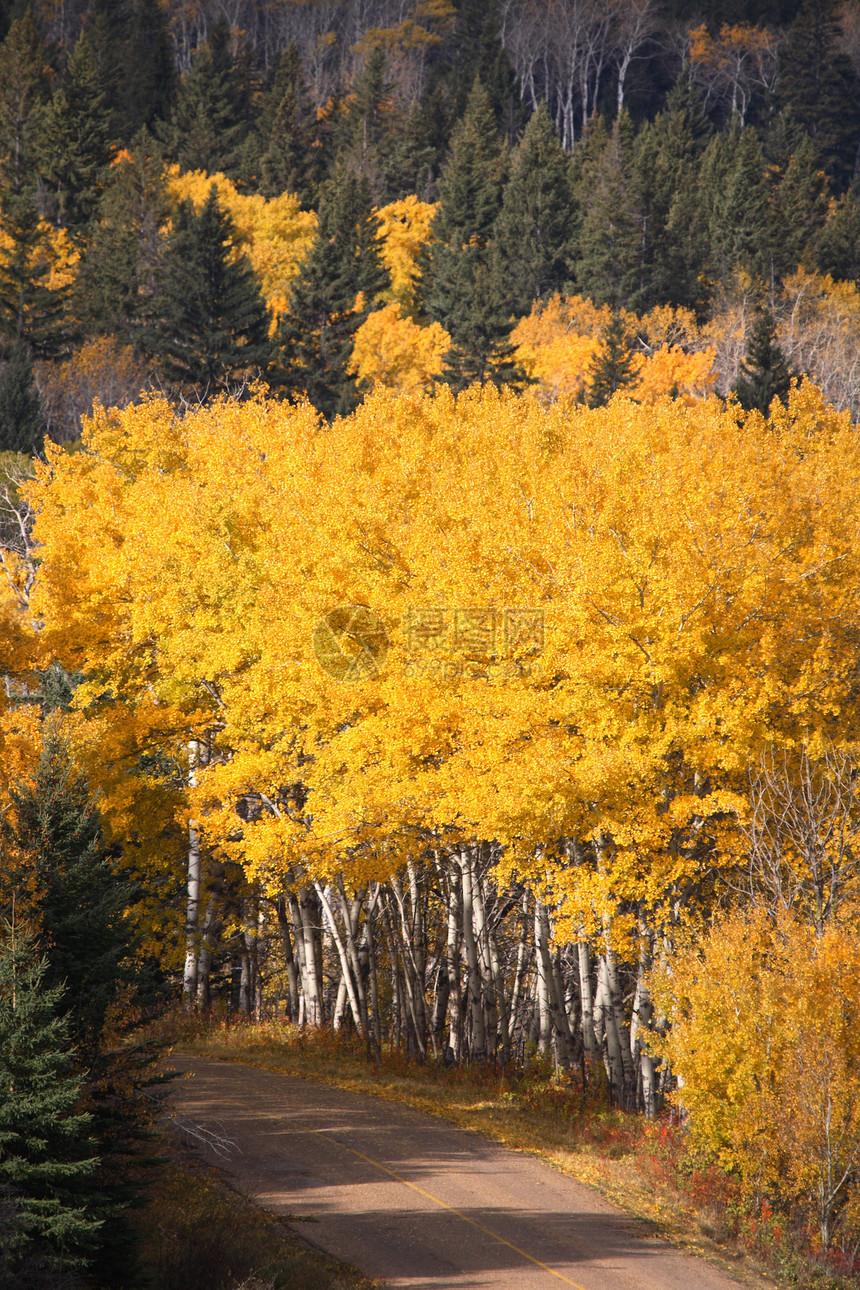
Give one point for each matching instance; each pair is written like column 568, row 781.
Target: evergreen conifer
column 610, row 239
column 57, row 827
column 817, row 87
column 764, row 374
column 47, row 1164
column 73, row 143
column 534, row 231
column 334, row 292
column 21, row 422
column 208, row 125
column 612, row 367
column 209, row 325
column 463, row 284
column 288, row 144
column 116, row 276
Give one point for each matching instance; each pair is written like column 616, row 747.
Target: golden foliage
column 275, row 235
column 765, row 1039
column 392, row 350
column 615, row 629
column 404, row 229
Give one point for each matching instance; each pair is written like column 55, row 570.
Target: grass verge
column 196, row 1233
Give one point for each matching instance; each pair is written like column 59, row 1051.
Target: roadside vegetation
column 197, row 1234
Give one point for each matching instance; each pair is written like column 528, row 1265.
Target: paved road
column 410, row 1199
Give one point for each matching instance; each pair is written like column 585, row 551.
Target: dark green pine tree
column 316, row 334
column 116, row 276
column 82, row 903
column 736, row 192
column 47, row 1161
column 764, row 374
column 608, row 263
column 837, row 247
column 534, row 231
column 209, row 324
column 462, row 286
column 56, row 824
column 289, row 146
column 367, row 123
column 29, row 309
column 74, row 144
column 612, row 367
column 24, row 93
column 148, row 73
column 672, row 223
column 412, row 160
column 818, row 88
column 209, row 124
column 798, row 212
column 21, row 423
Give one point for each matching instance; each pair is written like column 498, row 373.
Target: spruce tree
column 610, row 238
column 799, row 209
column 74, row 143
column 81, row 901
column 148, row 75
column 612, row 367
column 463, row 284
column 673, row 223
column 534, row 232
column 288, row 142
column 47, row 1161
column 209, row 122
column 764, row 374
column 21, row 424
column 367, row 125
column 56, row 825
column 818, row 89
column 336, row 288
column 837, row 246
column 116, row 276
column 737, row 195
column 209, row 324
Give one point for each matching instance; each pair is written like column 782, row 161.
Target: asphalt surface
column 414, row 1201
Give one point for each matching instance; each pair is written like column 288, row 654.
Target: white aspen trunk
column 553, row 1018
column 621, row 1029
column 473, row 974
column 589, row 1038
column 289, row 958
column 301, row 960
column 343, row 955
column 339, row 1005
column 204, row 962
column 489, row 985
column 373, row 968
column 351, row 918
column 603, row 1007
column 192, row 908
column 640, row 1021
column 311, row 939
column 522, row 964
column 452, row 965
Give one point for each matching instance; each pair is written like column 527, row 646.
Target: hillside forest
column 429, row 484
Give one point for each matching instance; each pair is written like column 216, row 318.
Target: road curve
column 413, row 1200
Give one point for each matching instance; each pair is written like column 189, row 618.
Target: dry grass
column 197, row 1234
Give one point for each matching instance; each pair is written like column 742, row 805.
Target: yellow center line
column 451, row 1210
column 295, row 1127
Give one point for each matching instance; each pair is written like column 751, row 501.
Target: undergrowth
column 649, row 1168
column 197, row 1234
